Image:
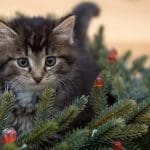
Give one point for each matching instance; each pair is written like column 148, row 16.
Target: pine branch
column 6, row 105
column 96, row 140
column 46, row 106
column 48, row 128
column 73, row 140
column 126, row 56
column 119, row 109
column 118, row 85
column 138, row 112
column 98, row 96
column 39, row 134
column 98, row 99
column 10, row 146
column 144, row 118
column 141, row 143
column 127, row 132
column 139, row 63
column 65, row 117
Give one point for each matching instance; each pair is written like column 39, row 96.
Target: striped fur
column 36, row 38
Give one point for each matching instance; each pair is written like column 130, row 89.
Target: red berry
column 117, row 145
column 8, row 136
column 112, row 56
column 99, row 81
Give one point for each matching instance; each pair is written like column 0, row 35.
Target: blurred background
column 127, row 23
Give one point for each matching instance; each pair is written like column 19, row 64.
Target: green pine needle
column 46, row 106
column 39, row 134
column 138, row 114
column 72, row 141
column 97, row 140
column 119, row 109
column 65, row 117
column 6, row 105
column 128, row 132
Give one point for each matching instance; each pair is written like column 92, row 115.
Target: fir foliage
column 121, row 106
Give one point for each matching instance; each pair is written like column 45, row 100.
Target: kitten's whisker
column 17, row 86
column 74, row 84
column 11, row 82
column 70, row 81
column 17, row 83
column 65, row 86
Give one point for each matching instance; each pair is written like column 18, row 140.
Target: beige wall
column 127, row 21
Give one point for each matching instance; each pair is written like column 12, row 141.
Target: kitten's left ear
column 6, row 34
column 64, row 30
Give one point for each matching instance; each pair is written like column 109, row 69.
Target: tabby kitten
column 39, row 52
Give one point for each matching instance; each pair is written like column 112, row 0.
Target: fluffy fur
column 37, row 38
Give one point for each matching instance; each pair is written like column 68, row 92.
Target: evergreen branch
column 119, row 85
column 10, row 146
column 65, row 117
column 140, row 110
column 39, row 134
column 126, row 56
column 136, row 91
column 6, row 105
column 119, row 109
column 98, row 99
column 96, row 140
column 73, row 140
column 141, row 143
column 46, row 105
column 128, row 132
column 139, row 63
column 143, row 118
column 98, row 96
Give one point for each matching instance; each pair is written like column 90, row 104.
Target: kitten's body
column 73, row 74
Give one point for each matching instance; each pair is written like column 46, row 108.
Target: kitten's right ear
column 64, row 30
column 6, row 34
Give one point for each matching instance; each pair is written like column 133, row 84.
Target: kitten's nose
column 37, row 79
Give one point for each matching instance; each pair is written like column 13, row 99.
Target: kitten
column 39, row 52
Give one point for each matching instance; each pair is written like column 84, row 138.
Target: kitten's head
column 36, row 53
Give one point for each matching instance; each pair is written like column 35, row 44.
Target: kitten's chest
column 23, row 123
column 27, row 98
column 24, row 111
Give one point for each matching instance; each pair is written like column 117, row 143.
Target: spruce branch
column 126, row 56
column 98, row 100
column 97, row 140
column 139, row 112
column 98, row 96
column 119, row 109
column 138, row 64
column 144, row 118
column 10, row 146
column 65, row 117
column 119, row 85
column 40, row 133
column 6, row 105
column 73, row 140
column 46, row 105
column 128, row 132
column 141, row 143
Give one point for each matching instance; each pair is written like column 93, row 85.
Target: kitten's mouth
column 37, row 86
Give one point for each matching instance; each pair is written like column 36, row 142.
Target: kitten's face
column 38, row 60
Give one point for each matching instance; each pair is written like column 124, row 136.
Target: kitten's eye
column 50, row 61
column 23, row 62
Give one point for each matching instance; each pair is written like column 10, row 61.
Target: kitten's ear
column 6, row 34
column 64, row 30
